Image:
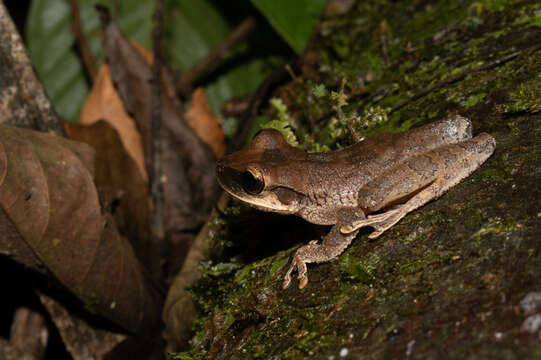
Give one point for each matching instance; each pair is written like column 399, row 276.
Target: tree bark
column 457, row 278
column 23, row 101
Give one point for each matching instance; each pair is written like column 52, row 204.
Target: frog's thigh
column 449, row 165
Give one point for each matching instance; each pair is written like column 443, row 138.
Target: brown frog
column 374, row 183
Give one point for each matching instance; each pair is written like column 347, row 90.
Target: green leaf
column 294, row 20
column 51, row 44
column 50, row 47
column 189, row 38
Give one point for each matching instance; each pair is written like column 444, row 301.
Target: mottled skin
column 373, row 183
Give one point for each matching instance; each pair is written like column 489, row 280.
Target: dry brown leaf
column 49, row 199
column 103, row 103
column 82, row 341
column 147, row 54
column 199, row 115
column 118, row 180
column 207, row 126
column 188, row 163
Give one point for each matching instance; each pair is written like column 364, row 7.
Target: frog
column 372, row 183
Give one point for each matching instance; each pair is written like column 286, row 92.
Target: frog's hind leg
column 384, row 221
column 456, row 162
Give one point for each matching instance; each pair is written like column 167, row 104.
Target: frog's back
column 367, row 159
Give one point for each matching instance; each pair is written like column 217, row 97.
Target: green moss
column 413, row 266
column 284, row 127
column 362, row 270
column 529, row 15
column 525, row 97
column 497, row 226
column 473, row 100
column 182, row 356
column 496, row 175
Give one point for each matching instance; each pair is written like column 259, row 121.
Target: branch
column 214, row 57
column 275, row 78
column 24, row 102
column 80, row 40
column 156, row 185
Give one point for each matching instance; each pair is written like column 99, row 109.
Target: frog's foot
column 301, row 257
column 333, row 244
column 379, row 222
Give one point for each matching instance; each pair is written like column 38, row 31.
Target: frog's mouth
column 231, row 180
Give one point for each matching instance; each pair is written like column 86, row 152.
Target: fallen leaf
column 207, row 126
column 104, row 103
column 118, row 181
column 82, row 341
column 188, row 163
column 50, row 201
column 147, row 54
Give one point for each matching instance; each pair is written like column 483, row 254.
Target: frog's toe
column 287, row 278
column 303, row 278
column 286, row 282
column 383, row 226
column 303, row 281
column 376, row 233
column 296, row 264
column 347, row 229
column 380, row 222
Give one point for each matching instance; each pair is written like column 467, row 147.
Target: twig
column 461, row 76
column 80, row 40
column 276, row 78
column 156, row 185
column 236, row 106
column 214, row 57
column 337, row 307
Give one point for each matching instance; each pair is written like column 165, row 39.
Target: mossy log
column 458, row 278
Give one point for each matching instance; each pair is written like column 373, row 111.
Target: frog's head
column 267, row 175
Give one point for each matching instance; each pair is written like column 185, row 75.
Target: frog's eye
column 252, row 181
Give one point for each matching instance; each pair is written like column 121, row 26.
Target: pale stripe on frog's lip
column 269, row 202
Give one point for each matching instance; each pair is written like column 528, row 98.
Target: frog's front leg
column 435, row 172
column 333, row 244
